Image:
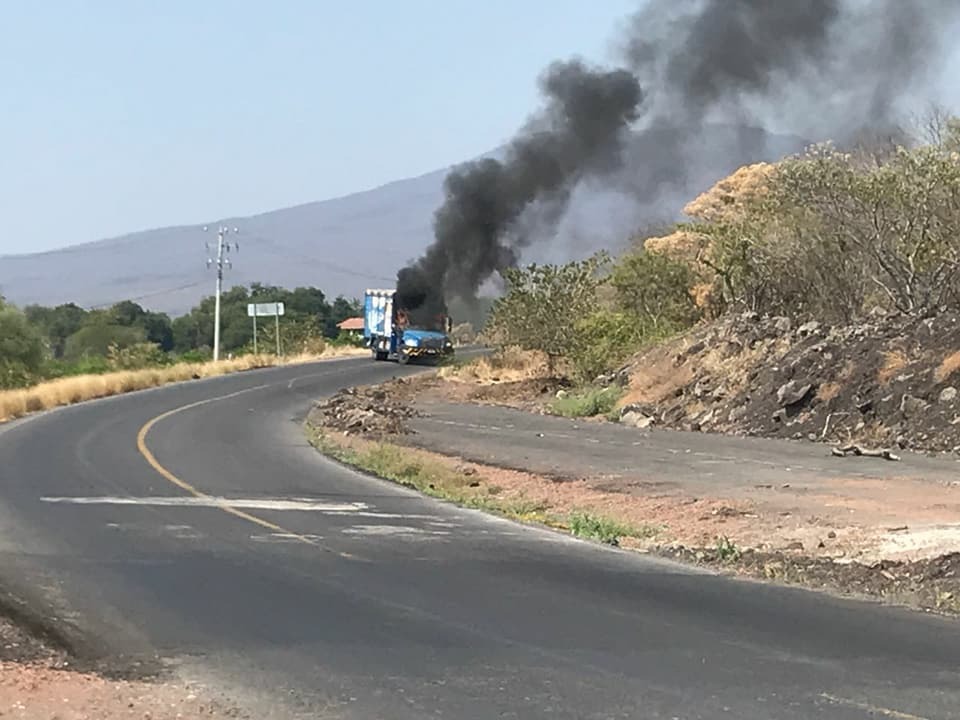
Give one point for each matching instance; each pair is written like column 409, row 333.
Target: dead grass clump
column 72, row 390
column 950, row 364
column 828, row 391
column 507, row 365
column 893, row 362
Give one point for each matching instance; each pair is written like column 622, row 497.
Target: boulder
column 793, row 393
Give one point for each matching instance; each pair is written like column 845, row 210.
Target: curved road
column 313, row 591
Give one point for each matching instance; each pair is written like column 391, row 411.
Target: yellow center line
column 184, row 485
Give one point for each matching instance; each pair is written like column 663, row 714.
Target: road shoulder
column 772, row 510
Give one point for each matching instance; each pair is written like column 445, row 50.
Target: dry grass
column 507, row 365
column 656, row 374
column 893, row 362
column 71, row 390
column 950, row 364
column 828, row 391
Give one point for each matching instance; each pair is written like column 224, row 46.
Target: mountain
column 346, row 244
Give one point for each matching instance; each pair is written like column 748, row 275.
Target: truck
column 394, row 333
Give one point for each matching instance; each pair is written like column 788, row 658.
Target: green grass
column 727, row 550
column 436, row 479
column 587, row 402
column 593, row 527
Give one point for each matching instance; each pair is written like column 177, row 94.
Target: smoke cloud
column 822, row 69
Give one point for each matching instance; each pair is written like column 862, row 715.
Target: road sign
column 265, row 309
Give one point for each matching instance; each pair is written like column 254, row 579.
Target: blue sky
column 119, row 116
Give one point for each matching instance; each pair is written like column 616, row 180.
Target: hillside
column 347, row 243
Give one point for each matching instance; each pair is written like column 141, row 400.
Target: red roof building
column 354, row 324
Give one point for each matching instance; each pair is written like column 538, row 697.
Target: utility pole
column 223, row 250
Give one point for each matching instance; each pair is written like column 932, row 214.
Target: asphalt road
column 313, row 591
column 700, row 463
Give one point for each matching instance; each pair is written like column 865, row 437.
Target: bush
column 596, row 528
column 656, row 290
column 542, row 305
column 837, row 234
column 98, row 338
column 21, row 349
column 135, row 357
column 588, row 402
column 88, row 365
column 604, row 341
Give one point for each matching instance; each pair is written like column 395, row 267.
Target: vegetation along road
column 192, row 528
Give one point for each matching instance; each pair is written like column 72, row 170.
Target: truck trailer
column 394, row 333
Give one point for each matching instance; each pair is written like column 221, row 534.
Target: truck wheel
column 379, row 355
column 403, row 358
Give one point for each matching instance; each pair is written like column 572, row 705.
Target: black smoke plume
column 823, row 69
column 577, row 133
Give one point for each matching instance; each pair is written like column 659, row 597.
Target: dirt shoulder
column 38, row 682
column 773, row 509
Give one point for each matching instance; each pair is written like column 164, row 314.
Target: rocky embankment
column 892, row 384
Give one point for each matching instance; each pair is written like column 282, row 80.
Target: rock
column 948, row 394
column 780, row 416
column 808, row 328
column 865, row 406
column 831, row 534
column 793, row 393
column 781, row 324
column 737, row 413
column 795, row 545
column 695, row 349
column 561, row 394
column 636, row 419
column 912, row 406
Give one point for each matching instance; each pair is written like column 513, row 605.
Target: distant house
column 351, row 326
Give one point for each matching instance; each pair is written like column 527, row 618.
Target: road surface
column 313, row 591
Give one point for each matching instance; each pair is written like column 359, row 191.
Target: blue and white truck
column 392, row 333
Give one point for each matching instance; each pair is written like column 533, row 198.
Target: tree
column 21, row 348
column 340, row 310
column 158, row 329
column 97, row 340
column 56, row 323
column 543, row 304
column 655, row 290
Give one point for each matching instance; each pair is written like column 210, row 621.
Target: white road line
column 390, row 530
column 215, row 502
column 285, row 538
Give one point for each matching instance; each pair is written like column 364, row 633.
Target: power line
column 145, row 296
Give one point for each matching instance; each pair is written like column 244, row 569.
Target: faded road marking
column 872, row 709
column 216, row 502
column 390, row 530
column 284, row 538
column 183, row 485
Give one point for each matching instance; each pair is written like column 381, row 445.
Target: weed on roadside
column 601, row 529
column 587, row 402
column 727, row 550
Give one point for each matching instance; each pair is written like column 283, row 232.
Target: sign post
column 274, row 309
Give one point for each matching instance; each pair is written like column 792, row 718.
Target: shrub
column 21, row 348
column 135, row 357
column 655, row 289
column 596, row 528
column 588, row 402
column 604, row 340
column 542, row 305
